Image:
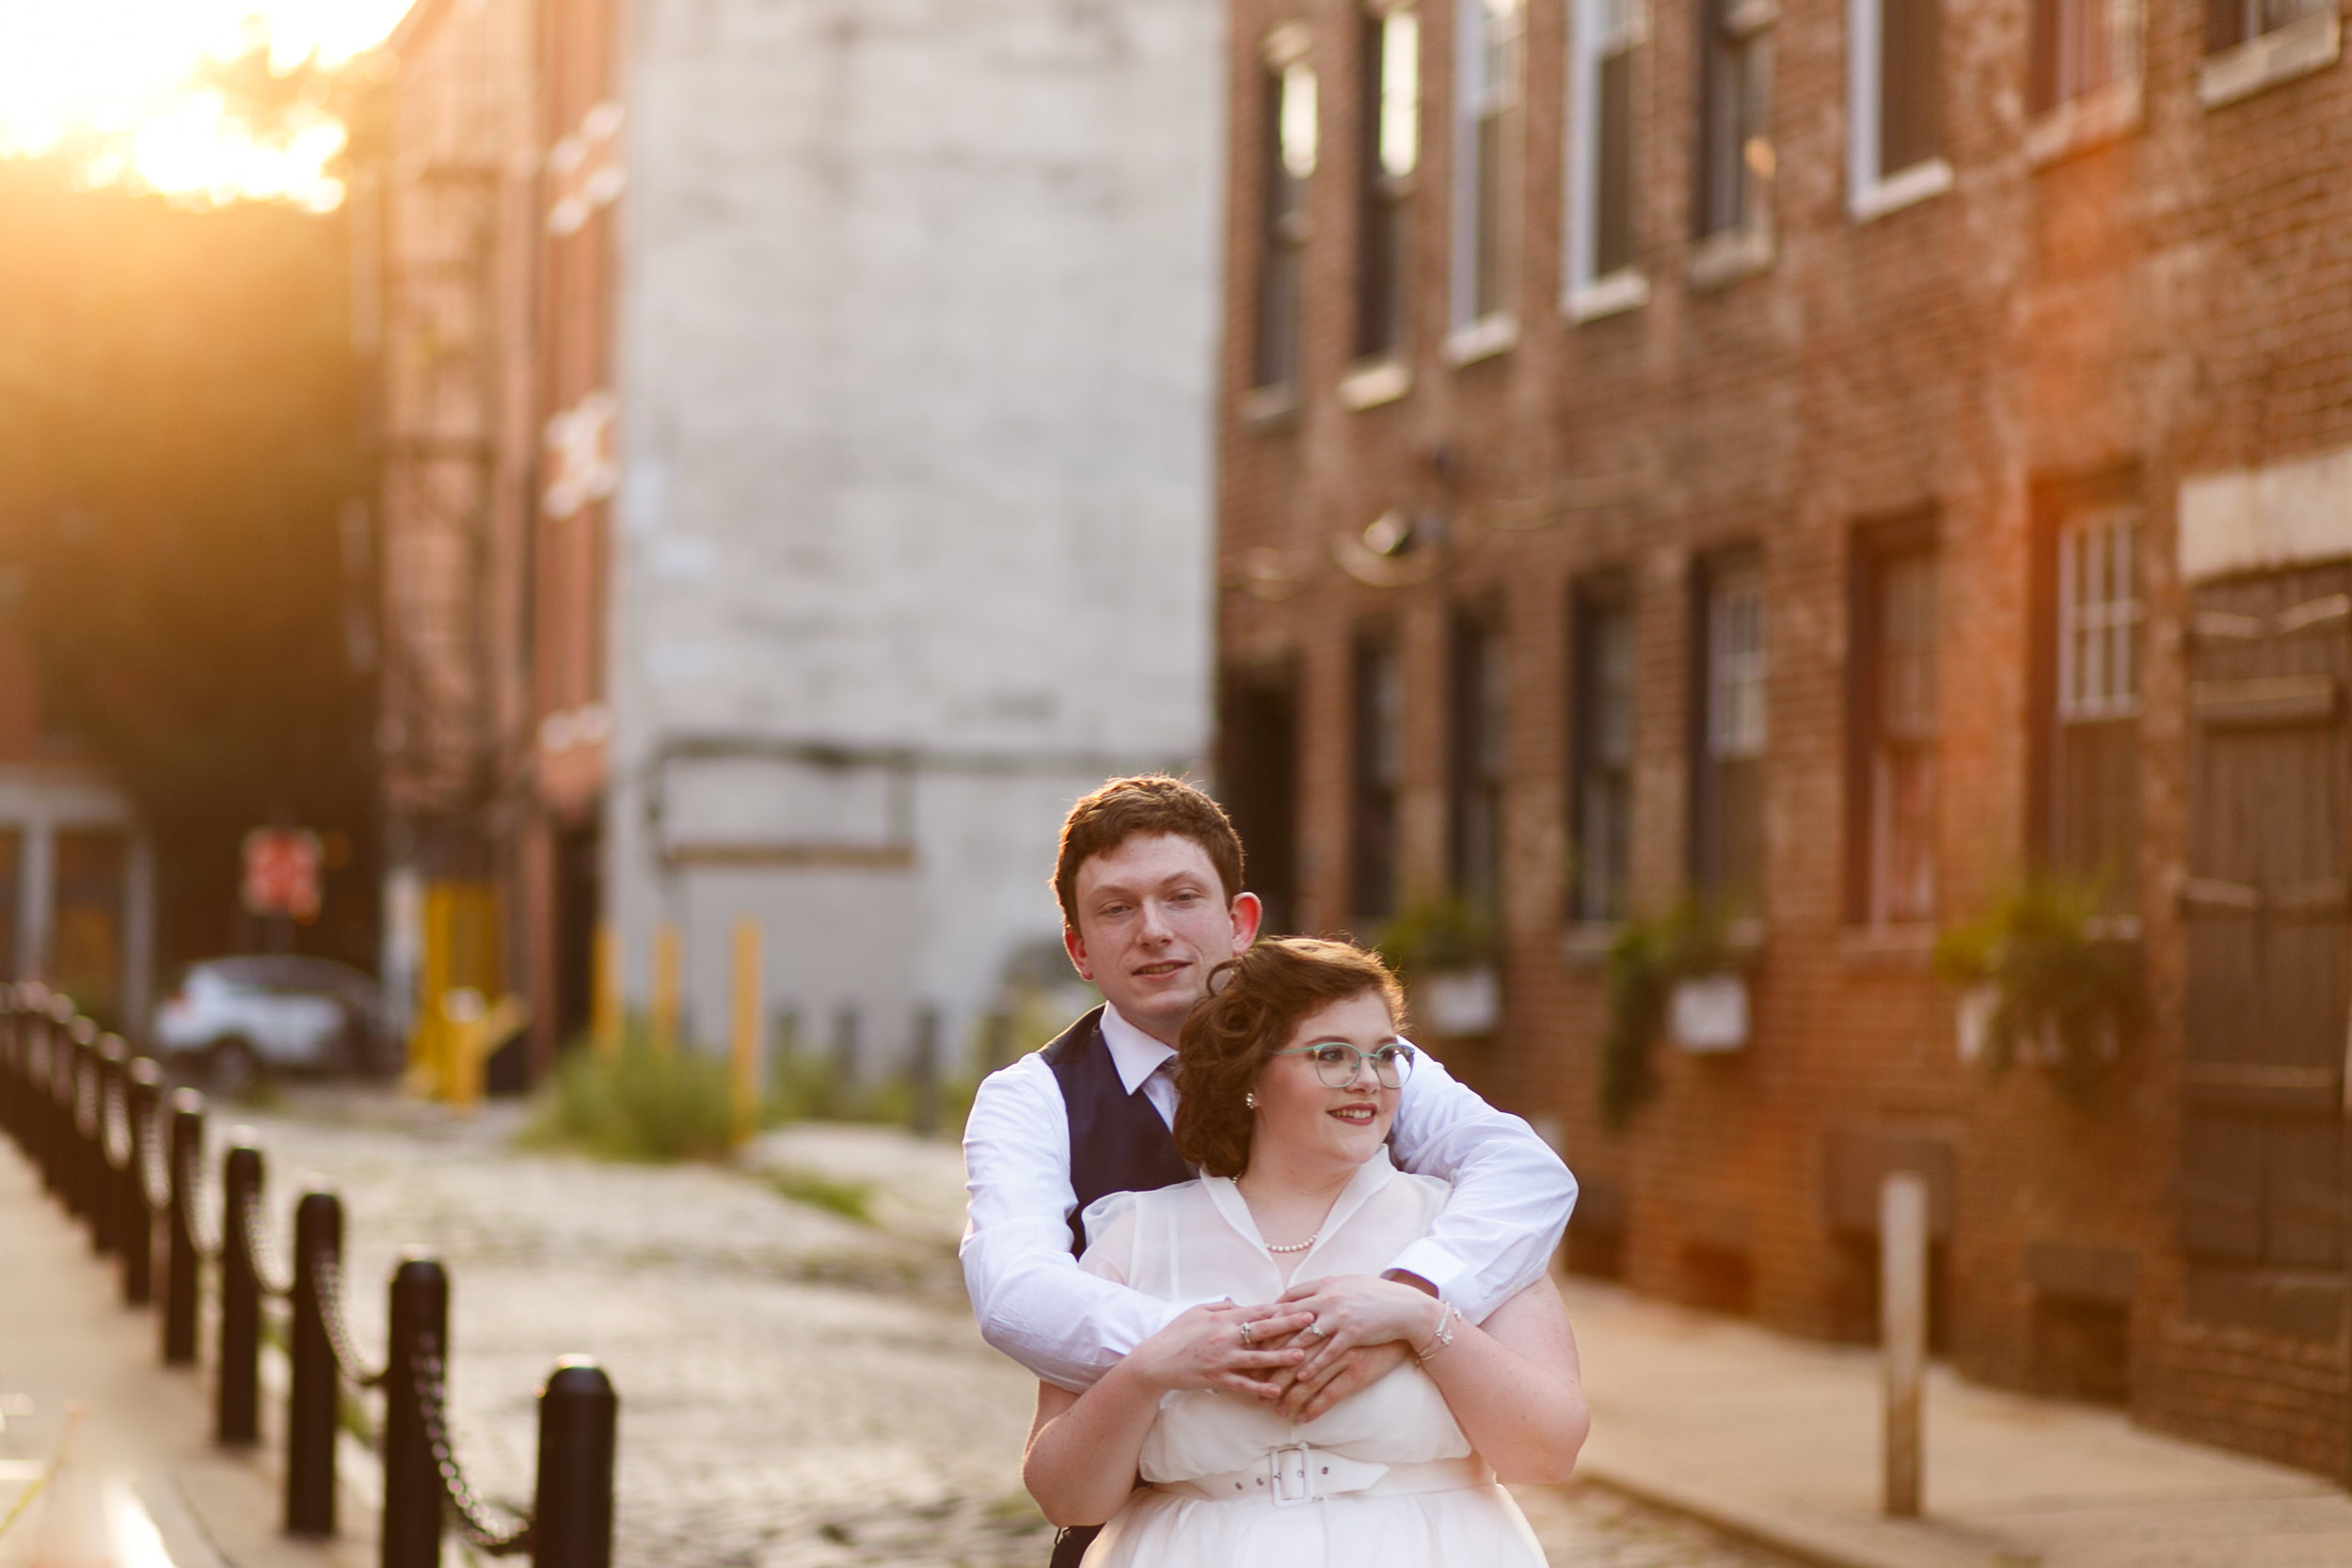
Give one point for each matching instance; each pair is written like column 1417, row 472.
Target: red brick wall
column 2176, row 302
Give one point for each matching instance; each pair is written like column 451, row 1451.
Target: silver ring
column 1317, row 1329
column 1246, row 1338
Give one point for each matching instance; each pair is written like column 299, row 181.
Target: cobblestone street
column 798, row 1387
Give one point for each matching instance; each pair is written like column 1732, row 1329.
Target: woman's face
column 1299, row 1118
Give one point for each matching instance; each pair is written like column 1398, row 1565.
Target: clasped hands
column 1316, row 1344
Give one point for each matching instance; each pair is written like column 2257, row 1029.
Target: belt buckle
column 1290, row 1476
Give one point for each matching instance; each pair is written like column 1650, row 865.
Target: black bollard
column 142, row 1087
column 105, row 1226
column 412, row 1479
column 311, row 1402
column 240, row 1390
column 578, row 1422
column 188, row 1156
column 8, row 1061
column 82, row 1124
column 56, row 1053
column 38, row 1072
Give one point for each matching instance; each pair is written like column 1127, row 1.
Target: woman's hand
column 1352, row 1310
column 1233, row 1349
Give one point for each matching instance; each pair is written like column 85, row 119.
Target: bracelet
column 1443, row 1339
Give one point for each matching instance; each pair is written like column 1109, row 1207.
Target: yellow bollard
column 744, row 1044
column 604, row 1002
column 665, row 988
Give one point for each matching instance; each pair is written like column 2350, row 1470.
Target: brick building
column 1837, row 456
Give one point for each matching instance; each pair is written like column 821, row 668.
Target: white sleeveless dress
column 1383, row 1479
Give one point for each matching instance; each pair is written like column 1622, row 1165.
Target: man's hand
column 1225, row 1347
column 1350, row 1372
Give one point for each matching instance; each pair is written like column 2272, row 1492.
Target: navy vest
column 1118, row 1142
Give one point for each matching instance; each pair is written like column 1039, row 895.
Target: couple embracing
column 1260, row 1341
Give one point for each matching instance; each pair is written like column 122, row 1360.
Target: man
column 1150, row 882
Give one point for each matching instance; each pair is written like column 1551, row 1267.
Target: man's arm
column 1033, row 1301
column 1512, row 1195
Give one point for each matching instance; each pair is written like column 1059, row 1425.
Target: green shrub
column 1430, row 935
column 1691, row 940
column 2055, row 979
column 638, row 1103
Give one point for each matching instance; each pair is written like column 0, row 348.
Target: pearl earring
column 1249, row 1101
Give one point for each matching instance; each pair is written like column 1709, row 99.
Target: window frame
column 1724, row 252
column 1474, row 333
column 1290, row 104
column 1872, row 190
column 1376, row 774
column 1478, row 753
column 1875, row 747
column 1594, row 41
column 2090, row 737
column 1717, row 752
column 1385, row 190
column 1594, row 603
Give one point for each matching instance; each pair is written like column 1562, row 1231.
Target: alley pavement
column 802, row 1384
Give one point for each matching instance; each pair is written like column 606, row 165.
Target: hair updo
column 1255, row 1003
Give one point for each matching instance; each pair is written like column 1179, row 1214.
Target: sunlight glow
column 111, row 84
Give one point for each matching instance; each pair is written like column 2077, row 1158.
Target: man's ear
column 1075, row 945
column 1248, row 914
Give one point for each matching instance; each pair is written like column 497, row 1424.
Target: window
column 2231, row 22
column 1895, row 731
column 1894, row 60
column 2080, row 46
column 1378, row 703
column 1600, row 727
column 1478, row 710
column 1602, row 241
column 1734, row 157
column 1289, row 140
column 2094, row 744
column 1391, row 150
column 1727, row 798
column 1488, row 74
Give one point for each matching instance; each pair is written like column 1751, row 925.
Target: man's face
column 1152, row 921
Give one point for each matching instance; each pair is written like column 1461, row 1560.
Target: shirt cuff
column 1433, row 1262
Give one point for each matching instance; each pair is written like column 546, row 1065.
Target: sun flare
column 114, row 84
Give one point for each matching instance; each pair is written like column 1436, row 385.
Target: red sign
column 282, row 872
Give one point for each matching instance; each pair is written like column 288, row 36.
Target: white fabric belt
column 1298, row 1473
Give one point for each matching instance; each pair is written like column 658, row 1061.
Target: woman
column 1291, row 1069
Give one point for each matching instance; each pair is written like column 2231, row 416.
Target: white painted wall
column 917, row 326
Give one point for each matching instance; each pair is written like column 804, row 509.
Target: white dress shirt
column 1511, row 1197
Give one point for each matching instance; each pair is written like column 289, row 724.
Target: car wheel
column 231, row 1069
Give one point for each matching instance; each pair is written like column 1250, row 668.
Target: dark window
column 1731, row 110
column 1389, row 151
column 1613, row 148
column 1893, row 783
column 1730, row 685
column 1257, row 768
column 85, row 944
column 2075, row 49
column 1600, row 725
column 2230, row 23
column 1480, row 699
column 1489, row 34
column 2094, row 717
column 1378, row 703
column 1288, row 135
column 1910, row 82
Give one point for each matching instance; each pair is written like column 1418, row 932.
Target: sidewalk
column 172, row 1500
column 1776, row 1439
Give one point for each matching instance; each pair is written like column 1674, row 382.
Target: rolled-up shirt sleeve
column 1032, row 1300
column 1512, row 1195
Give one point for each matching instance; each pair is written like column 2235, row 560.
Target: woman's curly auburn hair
column 1255, row 1003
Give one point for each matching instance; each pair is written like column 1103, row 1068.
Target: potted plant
column 1445, row 949
column 2041, row 985
column 1684, row 974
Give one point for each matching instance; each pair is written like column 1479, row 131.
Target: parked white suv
column 231, row 1019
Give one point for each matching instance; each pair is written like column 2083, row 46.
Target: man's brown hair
column 1255, row 1003
column 1145, row 803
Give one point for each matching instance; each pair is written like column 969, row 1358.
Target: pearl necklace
column 1295, row 1246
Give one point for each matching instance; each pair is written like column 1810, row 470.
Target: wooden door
column 2262, row 1180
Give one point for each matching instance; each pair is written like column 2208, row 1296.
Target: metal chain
column 327, row 1270
column 257, row 1249
column 472, row 1521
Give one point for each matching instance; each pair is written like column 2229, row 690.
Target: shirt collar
column 1137, row 1054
